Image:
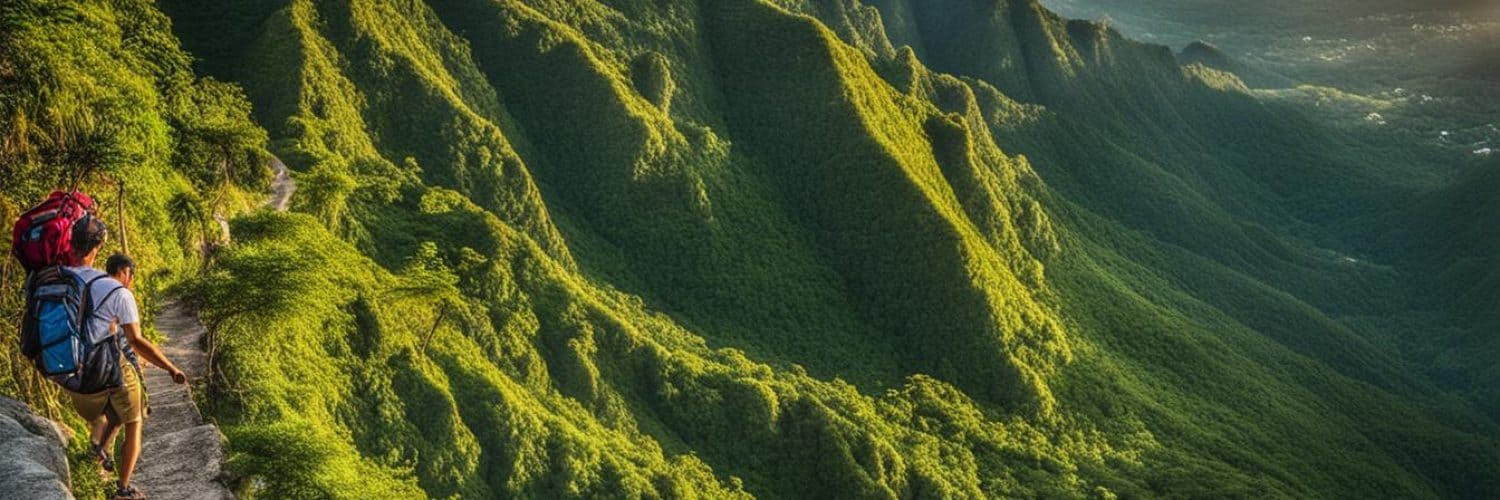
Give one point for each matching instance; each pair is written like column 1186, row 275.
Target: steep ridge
column 474, row 157
column 769, row 253
column 1135, row 127
column 948, row 293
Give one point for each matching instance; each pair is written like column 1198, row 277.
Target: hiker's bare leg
column 100, row 429
column 131, row 452
column 111, row 430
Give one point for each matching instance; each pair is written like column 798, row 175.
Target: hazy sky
column 1177, row 22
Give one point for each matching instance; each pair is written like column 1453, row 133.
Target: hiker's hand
column 179, row 377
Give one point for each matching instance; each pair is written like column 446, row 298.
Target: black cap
column 88, row 233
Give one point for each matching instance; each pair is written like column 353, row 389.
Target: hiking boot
column 129, row 493
column 105, row 462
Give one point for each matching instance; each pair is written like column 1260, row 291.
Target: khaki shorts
column 123, row 405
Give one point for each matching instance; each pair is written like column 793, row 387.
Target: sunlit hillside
column 769, row 248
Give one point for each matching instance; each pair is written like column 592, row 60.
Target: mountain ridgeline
column 798, row 249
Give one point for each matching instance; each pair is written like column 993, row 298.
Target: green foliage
column 652, row 75
column 831, row 165
column 217, row 140
column 98, row 96
column 632, row 248
column 933, row 276
column 361, row 340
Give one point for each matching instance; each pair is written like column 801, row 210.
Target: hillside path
column 282, row 186
column 182, row 456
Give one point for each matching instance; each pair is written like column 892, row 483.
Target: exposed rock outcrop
column 33, row 463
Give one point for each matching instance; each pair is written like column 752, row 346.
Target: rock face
column 33, row 464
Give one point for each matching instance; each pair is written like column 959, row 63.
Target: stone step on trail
column 182, row 456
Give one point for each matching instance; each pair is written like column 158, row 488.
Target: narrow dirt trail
column 282, row 186
column 182, row 456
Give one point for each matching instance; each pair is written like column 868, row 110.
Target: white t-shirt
column 117, row 309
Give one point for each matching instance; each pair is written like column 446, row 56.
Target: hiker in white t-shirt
column 115, row 314
column 121, row 268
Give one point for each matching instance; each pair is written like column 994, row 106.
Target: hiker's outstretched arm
column 147, row 349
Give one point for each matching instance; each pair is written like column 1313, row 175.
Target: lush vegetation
column 631, row 248
column 101, row 98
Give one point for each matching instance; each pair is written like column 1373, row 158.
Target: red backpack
column 43, row 236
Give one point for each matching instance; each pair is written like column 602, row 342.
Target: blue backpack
column 55, row 332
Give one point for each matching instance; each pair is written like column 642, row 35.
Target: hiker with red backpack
column 81, row 327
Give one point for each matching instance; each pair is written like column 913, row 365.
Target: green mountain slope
column 1458, row 275
column 1208, row 55
column 793, row 249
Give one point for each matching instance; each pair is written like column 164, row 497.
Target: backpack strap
column 87, row 296
column 106, row 298
column 92, row 309
column 86, row 307
column 116, row 333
